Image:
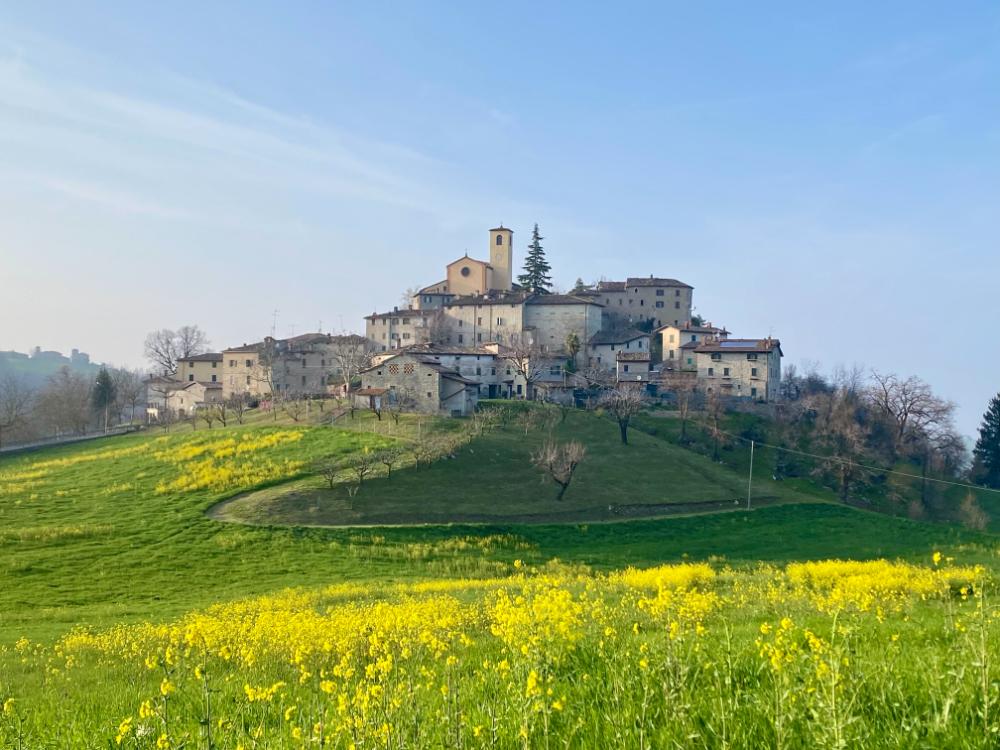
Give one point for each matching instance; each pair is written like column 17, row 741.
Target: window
column 214, row 364
column 716, row 357
column 751, row 356
column 479, row 371
column 248, row 380
column 518, row 389
column 624, row 368
column 428, row 392
column 753, row 372
column 214, row 378
column 659, row 292
column 493, row 371
column 460, row 338
column 190, row 364
column 303, row 380
column 459, row 322
column 232, row 363
column 555, row 370
column 689, row 360
column 671, row 354
column 642, row 303
column 639, row 344
column 406, row 321
column 694, row 337
column 394, row 369
column 479, row 321
column 395, row 321
column 408, row 368
column 725, row 372
column 677, row 292
column 303, row 362
column 191, row 378
column 499, row 321
column 753, row 393
column 466, row 271
column 711, row 371
column 406, row 335
column 322, row 363
column 479, row 337
column 677, row 305
column 499, row 239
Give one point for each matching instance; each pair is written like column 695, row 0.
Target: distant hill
column 36, row 367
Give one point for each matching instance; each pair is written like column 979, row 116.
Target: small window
column 689, row 361
column 408, row 368
column 677, row 305
column 753, row 393
column 460, row 338
column 659, row 292
column 466, row 270
column 190, row 364
column 625, row 368
column 659, row 303
column 555, row 370
column 191, row 378
column 725, row 372
column 214, row 378
column 499, row 239
column 303, row 362
column 214, row 364
column 753, row 372
column 248, row 380
column 303, row 380
column 677, row 292
column 711, row 371
column 716, row 357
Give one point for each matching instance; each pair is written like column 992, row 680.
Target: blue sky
column 827, row 175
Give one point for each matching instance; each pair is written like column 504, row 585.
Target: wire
column 860, row 465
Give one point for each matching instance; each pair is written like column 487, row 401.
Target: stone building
column 604, row 346
column 678, row 342
column 740, row 368
column 204, row 368
column 633, row 367
column 401, row 328
column 644, row 301
column 420, row 383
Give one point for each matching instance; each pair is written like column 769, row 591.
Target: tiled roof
column 633, row 356
column 558, row 299
column 616, row 336
column 407, row 313
column 493, row 298
column 740, row 346
column 653, row 281
column 207, row 357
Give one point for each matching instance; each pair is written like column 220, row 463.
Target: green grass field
column 101, row 534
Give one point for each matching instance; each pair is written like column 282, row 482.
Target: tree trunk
column 623, row 428
column 562, row 490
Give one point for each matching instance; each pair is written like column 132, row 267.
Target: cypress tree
column 104, row 395
column 986, row 454
column 536, row 269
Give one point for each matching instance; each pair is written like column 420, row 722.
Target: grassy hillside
column 116, row 529
column 492, row 481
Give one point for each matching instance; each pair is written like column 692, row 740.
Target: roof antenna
column 274, row 322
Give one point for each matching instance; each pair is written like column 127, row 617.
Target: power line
column 859, row 465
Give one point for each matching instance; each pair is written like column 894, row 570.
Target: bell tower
column 502, row 258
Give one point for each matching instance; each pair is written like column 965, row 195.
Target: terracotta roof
column 208, row 357
column 740, row 346
column 633, row 356
column 501, row 228
column 245, row 349
column 445, row 349
column 688, row 328
column 610, row 286
column 371, row 391
column 617, row 336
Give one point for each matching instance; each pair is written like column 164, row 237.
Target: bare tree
column 64, row 402
column 208, row 415
column 238, row 403
column 165, row 347
column 538, row 418
column 684, row 388
column 526, row 358
column 559, row 462
column 294, row 406
column 351, row 354
column 909, row 405
column 129, row 388
column 15, row 404
column 838, row 430
column 714, row 411
column 362, row 464
column 972, row 515
column 222, row 412
column 388, row 457
column 329, row 467
column 400, row 400
column 623, row 403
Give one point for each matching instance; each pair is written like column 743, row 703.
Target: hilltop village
column 477, row 333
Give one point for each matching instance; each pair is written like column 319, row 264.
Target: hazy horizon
column 823, row 175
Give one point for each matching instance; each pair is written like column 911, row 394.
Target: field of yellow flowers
column 828, row 654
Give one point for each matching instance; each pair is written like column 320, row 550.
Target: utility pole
column 750, row 478
column 274, row 322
